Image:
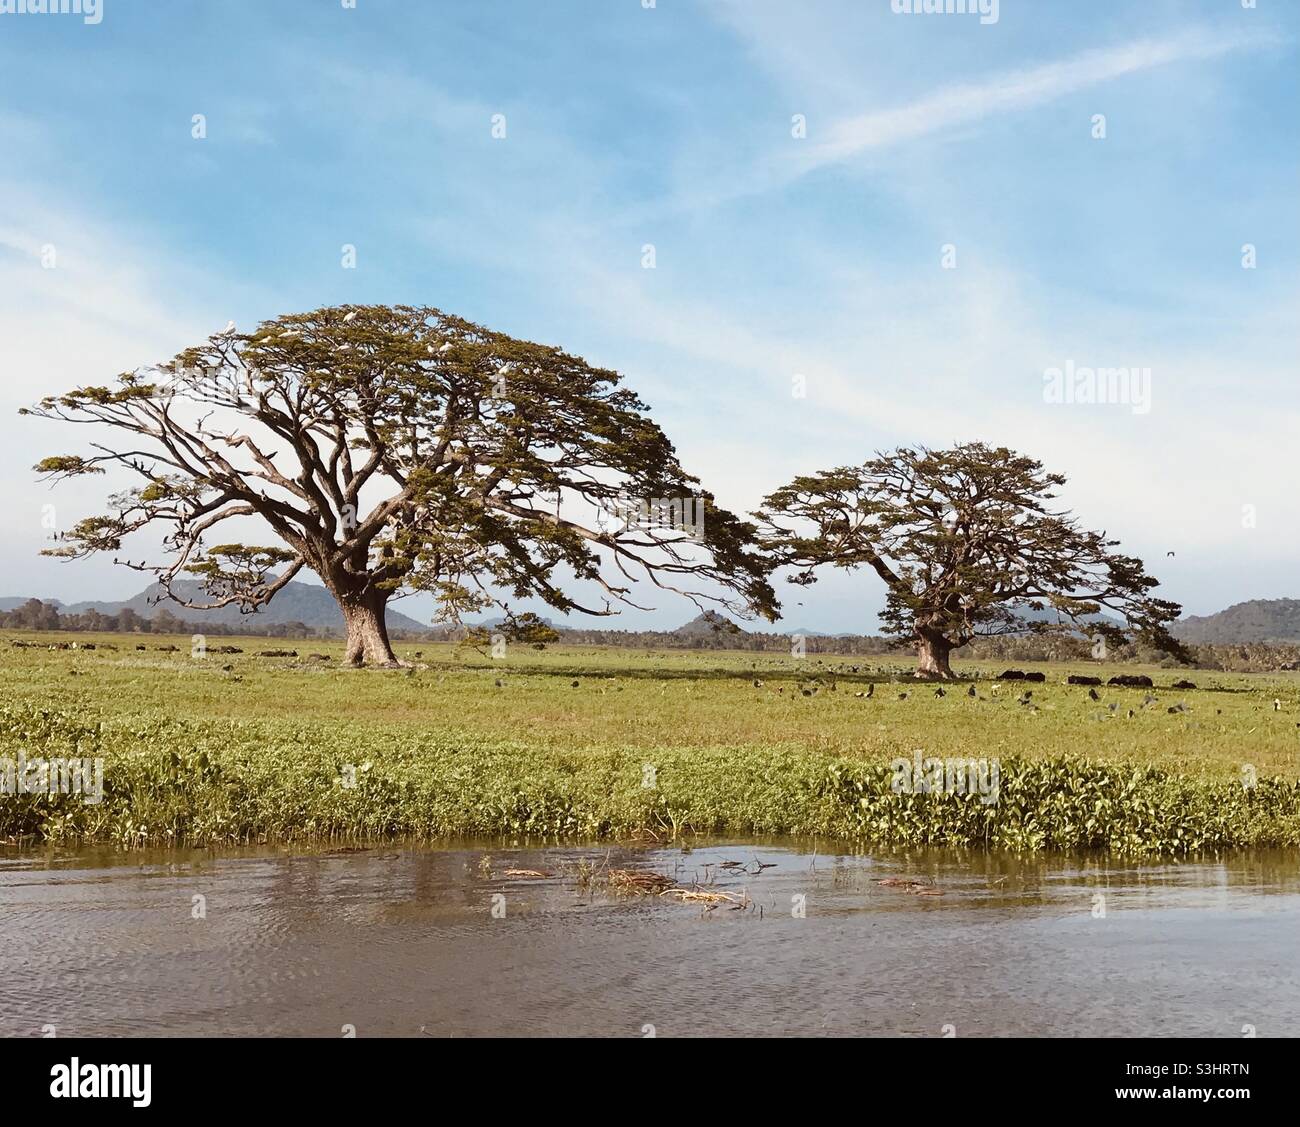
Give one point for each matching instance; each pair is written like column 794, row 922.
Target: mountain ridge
column 295, row 602
column 1255, row 620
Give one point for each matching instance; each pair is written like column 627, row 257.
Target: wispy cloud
column 1011, row 91
column 951, row 108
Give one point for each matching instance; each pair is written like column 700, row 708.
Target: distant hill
column 710, row 624
column 500, row 620
column 13, row 602
column 1260, row 620
column 296, row 602
column 1047, row 614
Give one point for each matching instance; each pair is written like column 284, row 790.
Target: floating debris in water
column 647, row 884
column 911, row 886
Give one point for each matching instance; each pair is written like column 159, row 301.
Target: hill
column 13, row 602
column 1259, row 620
column 709, row 624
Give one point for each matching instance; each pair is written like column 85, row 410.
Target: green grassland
column 227, row 749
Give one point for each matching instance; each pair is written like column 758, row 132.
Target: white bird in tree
column 445, row 348
column 230, row 328
column 351, row 316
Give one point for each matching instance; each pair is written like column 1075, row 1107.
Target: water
column 396, row 941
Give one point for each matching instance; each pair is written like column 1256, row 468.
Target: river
column 440, row 942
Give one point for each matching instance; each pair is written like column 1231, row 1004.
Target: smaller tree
column 968, row 546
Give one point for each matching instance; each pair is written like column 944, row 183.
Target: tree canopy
column 968, row 545
column 400, row 449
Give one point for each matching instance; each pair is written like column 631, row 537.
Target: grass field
column 232, row 748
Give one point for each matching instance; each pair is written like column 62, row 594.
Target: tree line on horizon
column 491, row 468
column 1247, row 657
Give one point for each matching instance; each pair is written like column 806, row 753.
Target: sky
column 913, row 218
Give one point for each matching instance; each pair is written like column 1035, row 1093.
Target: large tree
column 968, row 545
column 395, row 449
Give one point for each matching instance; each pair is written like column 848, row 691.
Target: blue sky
column 775, row 255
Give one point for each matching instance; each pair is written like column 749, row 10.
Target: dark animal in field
column 141, row 647
column 87, row 645
column 940, row 693
column 1026, row 697
column 318, row 657
column 107, row 646
column 167, row 649
column 1013, row 675
column 61, row 646
column 1184, row 685
column 902, row 696
column 1131, row 681
column 971, row 692
column 573, row 684
column 277, row 653
column 1093, row 694
column 1179, row 707
column 1037, row 678
column 1079, row 679
column 228, row 650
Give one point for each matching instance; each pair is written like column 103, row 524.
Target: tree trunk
column 932, row 658
column 367, row 643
